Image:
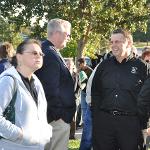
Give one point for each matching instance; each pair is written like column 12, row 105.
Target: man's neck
column 54, row 43
column 126, row 55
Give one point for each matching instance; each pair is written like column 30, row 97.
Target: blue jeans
column 83, row 105
column 86, row 140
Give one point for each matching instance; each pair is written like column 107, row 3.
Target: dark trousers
column 114, row 132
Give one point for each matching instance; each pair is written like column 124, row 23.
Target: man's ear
column 129, row 43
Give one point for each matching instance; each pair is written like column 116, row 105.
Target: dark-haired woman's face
column 31, row 58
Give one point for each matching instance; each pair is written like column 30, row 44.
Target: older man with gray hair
column 58, row 84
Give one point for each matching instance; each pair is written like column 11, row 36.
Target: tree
column 140, row 36
column 8, row 33
column 3, row 30
column 92, row 20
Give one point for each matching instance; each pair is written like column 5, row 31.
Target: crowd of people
column 41, row 93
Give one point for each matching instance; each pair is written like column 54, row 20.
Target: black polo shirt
column 116, row 85
column 30, row 86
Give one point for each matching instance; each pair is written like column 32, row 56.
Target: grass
column 141, row 44
column 74, row 144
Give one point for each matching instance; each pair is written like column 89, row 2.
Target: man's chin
column 63, row 46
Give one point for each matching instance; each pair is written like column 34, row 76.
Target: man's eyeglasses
column 68, row 35
column 34, row 53
column 65, row 33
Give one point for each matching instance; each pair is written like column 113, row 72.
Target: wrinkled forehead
column 32, row 46
column 117, row 36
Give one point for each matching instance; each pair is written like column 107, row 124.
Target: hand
column 148, row 131
column 20, row 136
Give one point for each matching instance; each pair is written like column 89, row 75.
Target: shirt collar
column 49, row 43
column 26, row 79
column 131, row 56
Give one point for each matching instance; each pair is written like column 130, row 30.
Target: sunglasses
column 34, row 53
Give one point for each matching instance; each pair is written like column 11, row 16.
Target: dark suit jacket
column 58, row 85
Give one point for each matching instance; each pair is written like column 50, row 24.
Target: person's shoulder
column 107, row 60
column 7, row 79
column 89, row 68
column 139, row 61
column 45, row 42
column 47, row 46
column 2, row 65
column 141, row 64
column 48, row 49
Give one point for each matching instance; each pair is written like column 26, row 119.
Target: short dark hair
column 125, row 32
column 22, row 45
column 146, row 48
column 145, row 52
column 81, row 60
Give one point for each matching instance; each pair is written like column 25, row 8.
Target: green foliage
column 8, row 33
column 4, row 30
column 70, row 50
column 92, row 20
column 16, row 39
column 96, row 45
column 142, row 36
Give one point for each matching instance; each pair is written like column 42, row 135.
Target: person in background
column 144, row 109
column 58, row 84
column 72, row 68
column 87, row 130
column 134, row 51
column 115, row 88
column 86, row 71
column 6, row 53
column 146, row 54
column 26, row 126
column 146, row 57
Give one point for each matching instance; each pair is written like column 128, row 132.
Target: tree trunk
column 82, row 42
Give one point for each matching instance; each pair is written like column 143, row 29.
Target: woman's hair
column 6, row 50
column 21, row 48
column 145, row 52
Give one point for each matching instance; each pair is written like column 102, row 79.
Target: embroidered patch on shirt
column 134, row 70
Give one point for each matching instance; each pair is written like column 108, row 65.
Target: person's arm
column 7, row 129
column 143, row 103
column 49, row 75
column 88, row 87
column 96, row 87
column 2, row 68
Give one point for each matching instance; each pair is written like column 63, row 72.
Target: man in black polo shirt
column 116, row 85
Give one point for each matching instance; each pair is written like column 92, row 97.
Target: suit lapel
column 59, row 55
